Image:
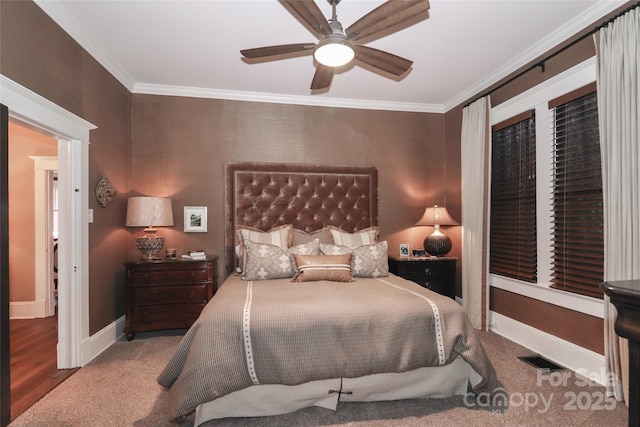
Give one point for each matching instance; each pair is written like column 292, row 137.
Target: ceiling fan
column 337, row 47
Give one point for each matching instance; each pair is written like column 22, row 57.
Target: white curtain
column 619, row 115
column 475, row 164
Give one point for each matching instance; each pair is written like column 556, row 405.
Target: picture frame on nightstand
column 404, row 249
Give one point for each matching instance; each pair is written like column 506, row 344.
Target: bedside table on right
column 435, row 273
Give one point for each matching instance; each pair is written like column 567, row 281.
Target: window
column 549, row 182
column 578, row 239
column 513, row 240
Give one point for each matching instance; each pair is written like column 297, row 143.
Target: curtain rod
column 541, row 63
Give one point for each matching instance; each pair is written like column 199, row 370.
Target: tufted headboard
column 265, row 195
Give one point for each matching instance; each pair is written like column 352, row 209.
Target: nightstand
column 167, row 294
column 435, row 273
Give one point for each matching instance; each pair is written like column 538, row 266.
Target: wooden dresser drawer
column 154, row 317
column 165, row 276
column 145, row 295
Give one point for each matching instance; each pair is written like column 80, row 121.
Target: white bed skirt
column 264, row 400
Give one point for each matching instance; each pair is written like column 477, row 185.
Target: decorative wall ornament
column 105, row 192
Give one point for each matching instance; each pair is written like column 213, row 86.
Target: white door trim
column 43, row 169
column 72, row 133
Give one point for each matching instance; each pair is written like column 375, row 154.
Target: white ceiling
column 191, row 48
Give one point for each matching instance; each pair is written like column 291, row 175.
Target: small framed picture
column 195, row 219
column 404, row 249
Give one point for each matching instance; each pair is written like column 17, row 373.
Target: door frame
column 72, row 133
column 5, row 366
column 44, row 168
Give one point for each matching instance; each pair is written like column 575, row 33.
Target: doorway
column 33, row 163
column 33, row 166
column 72, row 133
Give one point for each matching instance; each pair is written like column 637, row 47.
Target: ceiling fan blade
column 387, row 15
column 309, row 12
column 384, row 61
column 260, row 52
column 322, row 78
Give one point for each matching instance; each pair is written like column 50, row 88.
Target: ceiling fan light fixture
column 334, row 50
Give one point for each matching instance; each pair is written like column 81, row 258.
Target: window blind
column 513, row 243
column 578, row 230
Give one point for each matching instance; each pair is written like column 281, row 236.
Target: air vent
column 541, row 363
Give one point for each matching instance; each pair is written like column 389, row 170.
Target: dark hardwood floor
column 33, row 362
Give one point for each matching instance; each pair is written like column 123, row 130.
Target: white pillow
column 367, row 236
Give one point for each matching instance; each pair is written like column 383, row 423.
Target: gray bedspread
column 280, row 332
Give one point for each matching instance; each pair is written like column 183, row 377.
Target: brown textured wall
column 24, row 142
column 36, row 53
column 180, row 146
column 552, row 319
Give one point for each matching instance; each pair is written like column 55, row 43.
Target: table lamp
column 437, row 243
column 149, row 212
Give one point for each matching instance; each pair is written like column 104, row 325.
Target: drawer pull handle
column 427, row 271
column 193, row 276
column 192, row 295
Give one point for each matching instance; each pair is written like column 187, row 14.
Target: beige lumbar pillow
column 335, row 268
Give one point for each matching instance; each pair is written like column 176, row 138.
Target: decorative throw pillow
column 298, row 236
column 264, row 261
column 335, row 268
column 367, row 260
column 366, row 236
column 279, row 236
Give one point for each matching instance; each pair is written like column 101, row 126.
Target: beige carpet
column 119, row 388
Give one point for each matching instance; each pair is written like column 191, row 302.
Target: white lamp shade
column 149, row 212
column 436, row 215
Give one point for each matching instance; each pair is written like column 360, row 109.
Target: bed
column 309, row 314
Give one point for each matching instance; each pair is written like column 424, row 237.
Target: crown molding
column 319, row 101
column 582, row 21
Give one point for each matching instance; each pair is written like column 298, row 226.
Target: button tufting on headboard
column 265, row 195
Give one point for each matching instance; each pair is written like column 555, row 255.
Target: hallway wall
column 23, row 142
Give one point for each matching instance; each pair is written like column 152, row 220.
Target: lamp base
column 149, row 245
column 437, row 243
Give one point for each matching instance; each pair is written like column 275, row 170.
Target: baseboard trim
column 27, row 309
column 565, row 353
column 100, row 341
